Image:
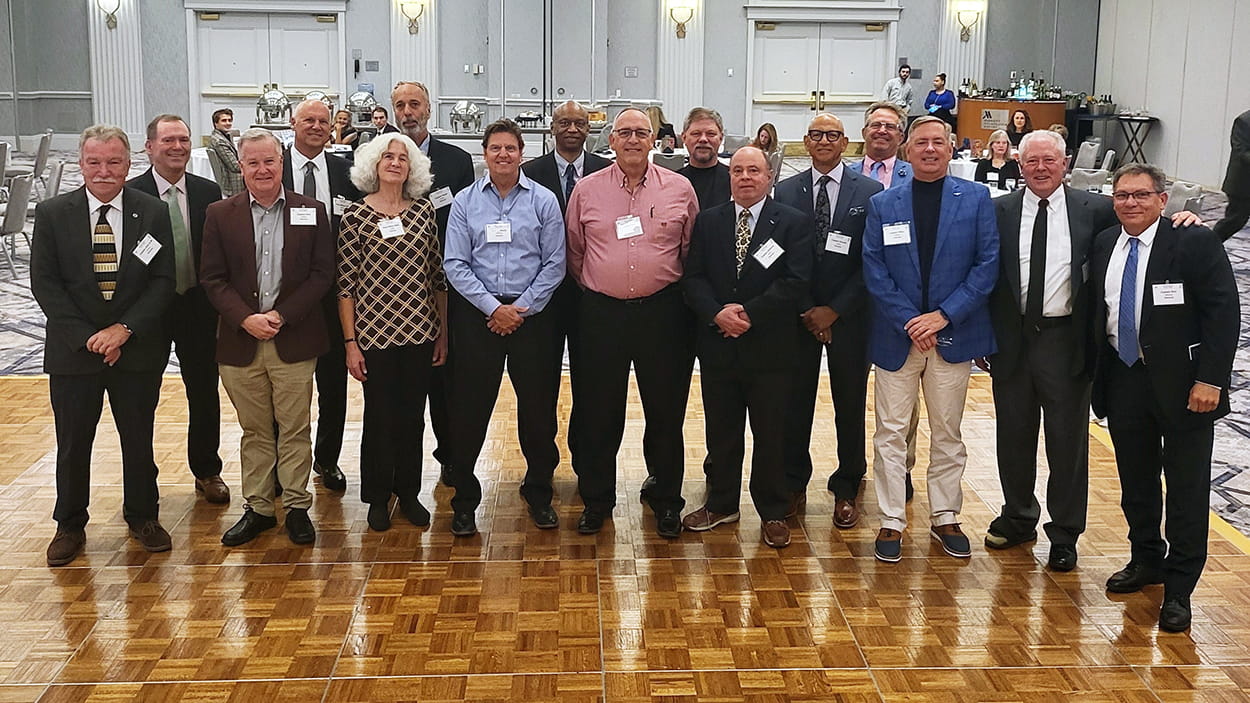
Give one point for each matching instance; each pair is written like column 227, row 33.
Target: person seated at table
column 342, row 132
column 1063, row 132
column 978, row 149
column 1019, row 125
column 998, row 168
column 766, row 139
column 940, row 101
column 662, row 129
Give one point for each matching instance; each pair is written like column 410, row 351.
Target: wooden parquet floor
column 520, row 614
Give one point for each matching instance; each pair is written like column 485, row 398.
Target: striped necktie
column 104, row 254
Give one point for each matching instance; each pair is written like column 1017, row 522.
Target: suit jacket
column 543, row 171
column 1237, row 178
column 902, row 172
column 229, row 156
column 1181, row 344
column 453, row 169
column 63, row 281
column 228, row 275
column 770, row 295
column 1088, row 214
column 338, row 172
column 964, row 271
column 837, row 279
column 201, row 193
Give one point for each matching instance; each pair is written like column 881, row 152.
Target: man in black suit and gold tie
column 325, row 177
column 749, row 267
column 833, row 313
column 190, row 320
column 102, row 271
column 1165, row 327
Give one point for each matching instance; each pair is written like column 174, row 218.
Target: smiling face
column 702, row 139
column 570, row 125
column 883, row 133
column 260, row 160
column 503, row 156
column 929, row 151
column 171, row 149
column 824, row 152
column 343, row 118
column 749, row 176
column 1136, row 202
column 393, row 164
column 1042, row 164
column 225, row 122
column 104, row 167
column 311, row 122
column 631, row 139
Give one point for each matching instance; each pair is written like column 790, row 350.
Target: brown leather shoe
column 66, row 546
column 152, row 536
column 703, row 519
column 845, row 514
column 776, row 534
column 798, row 501
column 214, row 489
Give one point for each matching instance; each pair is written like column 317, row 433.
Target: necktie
column 743, row 239
column 104, row 255
column 570, row 180
column 822, row 209
column 1037, row 267
column 310, row 183
column 1126, row 335
column 875, row 172
column 184, row 264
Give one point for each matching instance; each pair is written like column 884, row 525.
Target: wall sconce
column 681, row 12
column 412, row 9
column 109, row 8
column 968, row 12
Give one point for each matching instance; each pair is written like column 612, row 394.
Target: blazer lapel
column 1080, row 231
column 952, row 201
column 131, row 226
column 846, row 195
column 1009, row 243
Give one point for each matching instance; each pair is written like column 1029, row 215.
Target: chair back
column 15, row 211
column 671, row 162
column 1108, row 160
column 1086, row 156
column 734, row 142
column 601, row 140
column 41, row 156
column 774, row 161
column 219, row 169
column 1180, row 196
column 1089, row 179
column 54, row 179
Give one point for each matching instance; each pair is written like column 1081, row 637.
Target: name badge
column 391, row 228
column 991, row 176
column 897, row 233
column 303, row 216
column 340, row 205
column 768, row 253
column 441, row 197
column 628, row 226
column 1168, row 293
column 1011, row 184
column 147, row 248
column 499, row 232
column 838, row 243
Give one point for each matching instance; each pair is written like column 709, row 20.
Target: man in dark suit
column 749, row 267
column 190, row 320
column 559, row 171
column 379, row 117
column 930, row 262
column 1237, row 180
column 453, row 172
column 102, row 271
column 1165, row 328
column 268, row 259
column 327, row 179
column 834, row 315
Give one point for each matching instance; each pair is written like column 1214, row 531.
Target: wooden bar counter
column 978, row 118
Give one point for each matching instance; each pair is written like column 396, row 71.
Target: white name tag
column 991, row 176
column 838, row 243
column 340, row 205
column 303, row 216
column 897, row 233
column 1011, row 184
column 391, row 228
column 768, row 253
column 1169, row 293
column 147, row 248
column 441, row 197
column 499, row 232
column 628, row 226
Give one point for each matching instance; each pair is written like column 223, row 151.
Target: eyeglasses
column 1141, row 196
column 636, row 133
column 831, row 135
column 565, row 124
column 887, row 126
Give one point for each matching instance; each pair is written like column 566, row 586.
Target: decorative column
column 414, row 57
column 960, row 59
column 117, row 67
column 679, row 61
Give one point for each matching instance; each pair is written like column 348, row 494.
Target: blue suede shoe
column 953, row 540
column 889, row 545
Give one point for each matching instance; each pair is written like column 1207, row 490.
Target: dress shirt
column 529, row 268
column 424, row 146
column 269, row 233
column 833, row 187
column 1057, row 293
column 562, row 165
column 162, row 187
column 899, row 92
column 755, row 214
column 887, row 169
column 320, row 175
column 1115, row 272
column 665, row 203
column 114, row 218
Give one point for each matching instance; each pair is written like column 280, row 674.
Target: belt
column 506, row 299
column 1047, row 323
column 665, row 291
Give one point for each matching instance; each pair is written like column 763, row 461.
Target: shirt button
column 631, row 267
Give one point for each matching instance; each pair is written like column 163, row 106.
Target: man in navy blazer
column 930, row 263
column 834, row 315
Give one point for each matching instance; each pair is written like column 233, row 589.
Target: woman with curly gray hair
column 393, row 306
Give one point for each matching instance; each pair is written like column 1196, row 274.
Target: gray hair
column 365, row 170
column 902, row 116
column 1135, row 169
column 930, row 119
column 1037, row 137
column 258, row 134
column 703, row 113
column 103, row 133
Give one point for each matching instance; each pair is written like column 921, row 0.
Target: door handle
column 822, row 100
column 813, row 100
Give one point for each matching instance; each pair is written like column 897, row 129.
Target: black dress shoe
column 648, row 486
column 1062, row 557
column 668, row 524
column 1174, row 616
column 463, row 525
column 1133, row 578
column 379, row 517
column 911, row 490
column 591, row 521
column 544, row 517
column 248, row 528
column 331, row 477
column 415, row 512
column 298, row 527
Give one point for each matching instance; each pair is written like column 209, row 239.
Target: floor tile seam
column 347, row 631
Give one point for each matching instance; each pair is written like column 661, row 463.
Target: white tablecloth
column 199, row 164
column 963, row 169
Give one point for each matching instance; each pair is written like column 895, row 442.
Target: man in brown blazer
column 267, row 259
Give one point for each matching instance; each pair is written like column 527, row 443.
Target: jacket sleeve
column 215, row 273
column 47, row 285
column 1217, row 305
column 695, row 286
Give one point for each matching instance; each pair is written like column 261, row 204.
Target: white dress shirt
column 755, row 214
column 833, row 187
column 114, row 218
column 163, row 186
column 1115, row 272
column 320, row 175
column 1057, row 290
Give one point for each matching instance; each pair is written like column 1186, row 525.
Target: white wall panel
column 1205, row 93
column 956, row 58
column 117, row 67
column 414, row 57
column 679, row 65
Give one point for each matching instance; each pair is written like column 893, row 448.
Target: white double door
column 801, row 68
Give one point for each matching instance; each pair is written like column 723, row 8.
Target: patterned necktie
column 875, row 172
column 823, row 214
column 1126, row 336
column 1037, row 266
column 104, row 255
column 310, row 182
column 743, row 239
column 570, row 180
column 184, row 265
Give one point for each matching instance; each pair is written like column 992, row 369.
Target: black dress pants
column 394, row 421
column 331, row 376
column 565, row 306
column 77, row 401
column 730, row 395
column 191, row 323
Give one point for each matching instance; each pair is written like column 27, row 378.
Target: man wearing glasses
column 834, row 314
column 628, row 234
column 1165, row 325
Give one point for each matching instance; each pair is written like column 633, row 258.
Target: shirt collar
column 162, row 185
column 1146, row 238
column 646, row 174
column 835, row 174
column 523, row 181
column 755, row 210
column 1054, row 200
column 424, row 146
column 562, row 165
column 94, row 203
column 298, row 160
column 281, row 201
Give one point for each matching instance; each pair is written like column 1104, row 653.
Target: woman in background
column 998, row 168
column 342, row 132
column 941, row 102
column 766, row 138
column 1019, row 125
